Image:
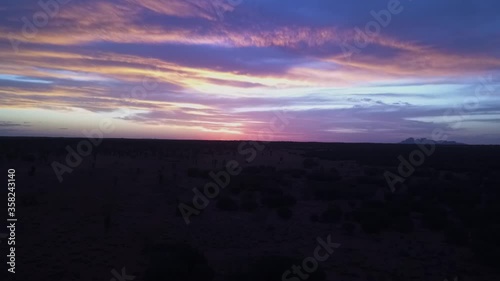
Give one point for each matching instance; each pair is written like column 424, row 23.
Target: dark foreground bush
column 197, row 173
column 284, row 213
column 248, row 202
column 276, row 200
column 402, row 223
column 326, row 193
column 371, row 226
column 226, row 204
column 176, row 262
column 373, row 218
column 332, row 214
column 349, row 228
column 295, row 173
column 324, row 176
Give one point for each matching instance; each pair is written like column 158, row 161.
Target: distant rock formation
column 424, row 140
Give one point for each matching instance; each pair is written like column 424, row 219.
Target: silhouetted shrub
column 309, row 163
column 176, row 262
column 353, row 204
column 295, row 173
column 197, row 173
column 371, row 226
column 284, row 213
column 332, row 214
column 349, row 228
column 252, row 182
column 271, row 190
column 321, row 175
column 335, row 173
column 373, row 216
column 375, row 204
column 326, row 193
column 248, row 202
column 252, row 170
column 402, row 223
column 399, row 206
column 276, row 201
column 32, row 171
column 226, row 204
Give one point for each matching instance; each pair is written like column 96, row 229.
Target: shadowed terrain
column 118, row 209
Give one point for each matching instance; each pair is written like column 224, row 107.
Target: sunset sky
column 342, row 71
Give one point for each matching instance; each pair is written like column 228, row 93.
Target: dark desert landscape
column 119, row 208
column 250, row 140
